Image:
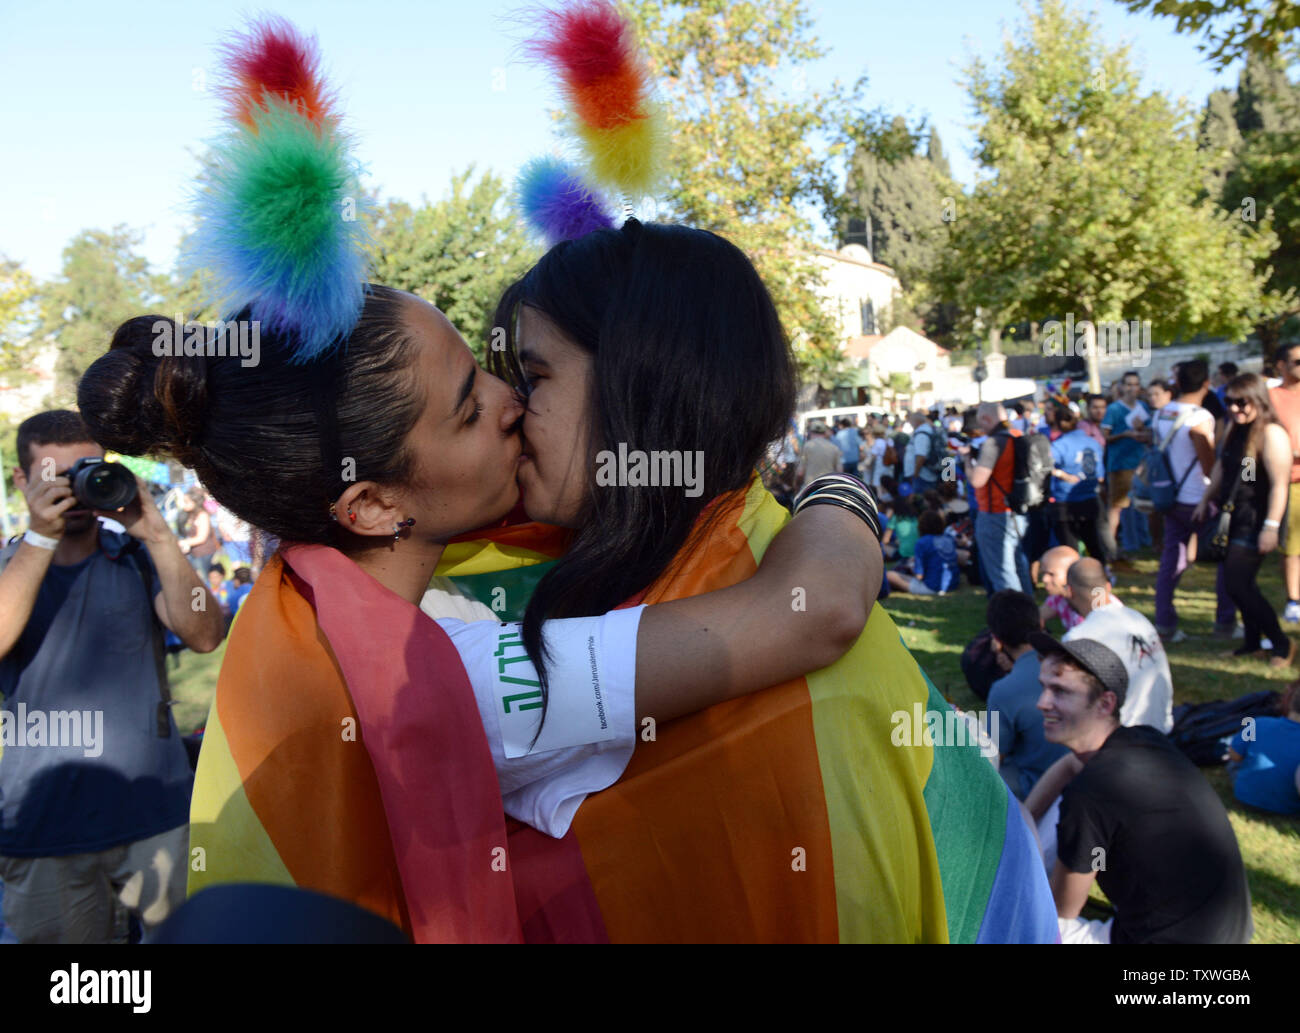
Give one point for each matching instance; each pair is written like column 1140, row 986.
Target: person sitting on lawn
column 901, row 529
column 1012, row 701
column 1150, row 697
column 1268, row 754
column 1139, row 819
column 1052, row 569
column 935, row 567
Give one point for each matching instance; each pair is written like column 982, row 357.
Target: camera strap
column 164, row 723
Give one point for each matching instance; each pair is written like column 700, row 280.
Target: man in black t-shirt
column 1139, row 818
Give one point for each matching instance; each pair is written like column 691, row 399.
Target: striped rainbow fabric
column 787, row 815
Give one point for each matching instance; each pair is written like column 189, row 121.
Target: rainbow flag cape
column 345, row 753
column 789, row 814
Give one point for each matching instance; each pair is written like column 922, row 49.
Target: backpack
column 938, row 451
column 980, row 664
column 1031, row 471
column 1202, row 730
column 1153, row 483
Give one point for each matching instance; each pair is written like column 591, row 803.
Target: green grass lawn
column 938, row 629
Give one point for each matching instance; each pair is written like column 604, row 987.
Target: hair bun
column 139, row 402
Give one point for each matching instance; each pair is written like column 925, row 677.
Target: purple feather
column 557, row 203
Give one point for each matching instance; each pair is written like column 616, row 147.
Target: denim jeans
column 1002, row 557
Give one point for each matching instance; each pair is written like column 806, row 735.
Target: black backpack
column 1031, row 471
column 1200, row 728
column 980, row 664
column 938, row 450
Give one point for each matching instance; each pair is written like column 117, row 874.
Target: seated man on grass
column 1139, row 819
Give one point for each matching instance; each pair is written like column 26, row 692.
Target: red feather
column 273, row 58
column 585, row 42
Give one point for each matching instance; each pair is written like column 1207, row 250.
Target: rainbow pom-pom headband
column 620, row 129
column 277, row 205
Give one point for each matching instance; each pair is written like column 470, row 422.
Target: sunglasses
column 1237, row 403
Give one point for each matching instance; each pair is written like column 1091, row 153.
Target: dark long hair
column 268, row 441
column 688, row 355
column 1254, row 389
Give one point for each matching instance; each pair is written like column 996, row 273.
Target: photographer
column 94, row 779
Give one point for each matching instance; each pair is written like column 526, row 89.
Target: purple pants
column 1173, row 561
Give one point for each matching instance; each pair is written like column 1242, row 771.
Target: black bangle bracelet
column 827, row 500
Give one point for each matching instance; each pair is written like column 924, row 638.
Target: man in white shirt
column 1131, row 636
column 1186, row 433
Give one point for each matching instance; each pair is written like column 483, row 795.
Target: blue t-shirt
column 1079, row 454
column 1266, row 778
column 935, row 561
column 83, row 767
column 1124, row 454
column 850, row 444
column 1013, row 698
column 235, row 596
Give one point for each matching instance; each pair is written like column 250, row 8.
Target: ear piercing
column 397, row 528
column 334, row 514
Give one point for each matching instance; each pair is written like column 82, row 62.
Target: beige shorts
column 1120, row 483
column 1291, row 522
column 88, row 898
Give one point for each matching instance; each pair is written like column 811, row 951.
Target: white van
column 859, row 414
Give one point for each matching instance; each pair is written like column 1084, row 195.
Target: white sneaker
column 1292, row 612
column 1266, row 645
column 1179, row 635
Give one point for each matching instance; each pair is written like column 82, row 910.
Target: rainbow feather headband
column 277, row 205
column 619, row 128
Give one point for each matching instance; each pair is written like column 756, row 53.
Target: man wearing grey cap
column 1139, row 818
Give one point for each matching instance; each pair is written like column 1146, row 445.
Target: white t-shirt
column 878, row 449
column 1181, row 453
column 590, row 729
column 1133, row 638
column 1137, row 416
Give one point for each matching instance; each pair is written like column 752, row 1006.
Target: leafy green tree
column 459, row 253
column 102, row 283
column 18, row 315
column 755, row 150
column 1231, row 28
column 1092, row 201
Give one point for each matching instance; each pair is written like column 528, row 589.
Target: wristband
column 1272, row 524
column 40, row 541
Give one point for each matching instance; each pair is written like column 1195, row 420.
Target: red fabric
column 422, row 730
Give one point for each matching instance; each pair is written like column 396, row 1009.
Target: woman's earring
column 397, row 528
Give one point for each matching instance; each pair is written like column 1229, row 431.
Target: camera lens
column 104, row 486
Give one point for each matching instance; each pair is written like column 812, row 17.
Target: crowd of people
column 1083, row 718
column 1228, row 443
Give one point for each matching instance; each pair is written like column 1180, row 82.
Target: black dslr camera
column 101, row 484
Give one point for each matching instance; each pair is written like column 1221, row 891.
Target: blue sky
column 103, row 106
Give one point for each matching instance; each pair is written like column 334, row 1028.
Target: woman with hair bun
column 355, row 746
column 364, row 472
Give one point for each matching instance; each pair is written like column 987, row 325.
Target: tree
column 1261, row 176
column 1219, row 140
column 1266, row 28
column 103, row 282
column 1089, row 205
column 18, row 315
column 745, row 161
column 902, row 205
column 459, row 253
